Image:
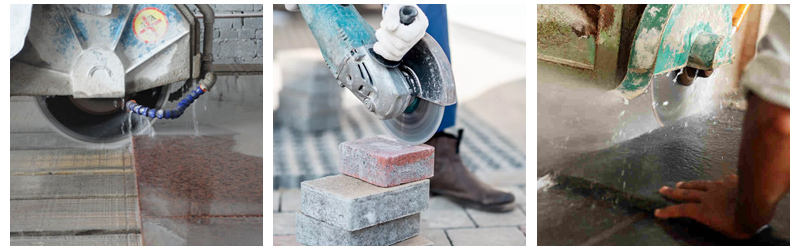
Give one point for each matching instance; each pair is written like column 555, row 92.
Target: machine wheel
column 99, row 120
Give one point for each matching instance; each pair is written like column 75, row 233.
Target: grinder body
column 409, row 95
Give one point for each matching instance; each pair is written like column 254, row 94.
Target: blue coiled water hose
column 205, row 85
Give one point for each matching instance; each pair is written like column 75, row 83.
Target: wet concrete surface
column 694, row 148
column 604, row 150
column 567, row 216
column 200, row 177
column 198, row 191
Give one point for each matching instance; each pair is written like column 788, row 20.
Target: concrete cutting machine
column 663, row 49
column 91, row 66
column 409, row 96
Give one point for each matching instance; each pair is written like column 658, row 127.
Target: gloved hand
column 291, row 7
column 402, row 26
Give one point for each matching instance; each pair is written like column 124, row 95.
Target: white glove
column 396, row 38
column 291, row 7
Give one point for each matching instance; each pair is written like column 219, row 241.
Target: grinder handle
column 408, row 14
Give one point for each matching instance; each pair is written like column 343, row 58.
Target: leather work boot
column 453, row 180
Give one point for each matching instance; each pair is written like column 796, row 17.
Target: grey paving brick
column 438, row 236
column 308, row 122
column 418, row 240
column 352, row 204
column 494, row 236
column 519, row 194
column 290, row 200
column 308, row 103
column 442, row 203
column 313, row 232
column 283, row 223
column 305, row 70
column 489, row 219
column 445, row 219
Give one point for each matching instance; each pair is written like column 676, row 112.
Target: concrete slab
column 418, row 240
column 493, row 236
column 285, row 240
column 352, row 204
column 227, row 231
column 314, row 232
column 694, row 148
column 564, row 218
column 174, row 180
column 386, row 162
column 445, row 219
column 489, row 219
column 290, row 200
column 442, row 203
column 283, row 223
column 438, row 236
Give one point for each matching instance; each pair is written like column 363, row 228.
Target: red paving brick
column 197, row 183
column 384, row 162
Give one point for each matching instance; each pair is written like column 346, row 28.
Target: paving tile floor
column 444, row 223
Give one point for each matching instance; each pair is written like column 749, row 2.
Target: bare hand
column 712, row 203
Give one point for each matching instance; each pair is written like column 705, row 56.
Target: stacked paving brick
column 376, row 200
column 311, row 98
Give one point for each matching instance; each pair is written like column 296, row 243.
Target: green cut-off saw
column 409, row 96
column 673, row 48
column 674, row 51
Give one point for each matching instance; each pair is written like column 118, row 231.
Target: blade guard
column 433, row 77
column 670, row 37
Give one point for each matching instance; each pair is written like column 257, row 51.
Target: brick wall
column 237, row 40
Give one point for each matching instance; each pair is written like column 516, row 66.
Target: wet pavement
column 199, row 176
column 197, row 191
column 607, row 159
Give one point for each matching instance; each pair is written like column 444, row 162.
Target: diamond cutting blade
column 98, row 121
column 671, row 100
column 417, row 125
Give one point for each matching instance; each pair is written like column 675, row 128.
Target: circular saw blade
column 417, row 126
column 671, row 100
column 95, row 121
